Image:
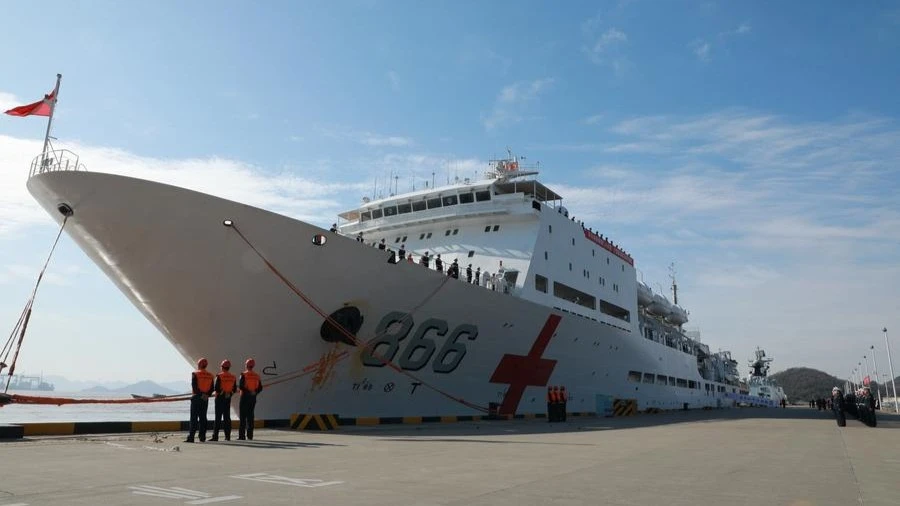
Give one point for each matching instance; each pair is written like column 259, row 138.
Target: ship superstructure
column 556, row 303
column 758, row 381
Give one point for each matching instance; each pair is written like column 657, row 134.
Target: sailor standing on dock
column 201, row 388
column 226, row 385
column 250, row 385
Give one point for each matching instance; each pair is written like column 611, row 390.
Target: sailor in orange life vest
column 563, row 400
column 202, row 388
column 250, row 385
column 226, row 385
column 551, row 404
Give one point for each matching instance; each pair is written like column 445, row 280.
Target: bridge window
column 483, row 195
column 550, row 227
column 487, row 229
column 404, row 208
column 418, row 205
column 450, row 200
column 390, row 211
column 447, row 233
column 496, row 228
column 455, row 231
column 661, row 380
column 671, row 381
column 634, row 376
column 540, row 283
column 681, row 382
column 366, row 216
column 648, row 377
column 421, row 236
column 570, row 294
column 466, row 198
column 428, row 236
column 692, row 384
column 376, row 213
column 434, row 203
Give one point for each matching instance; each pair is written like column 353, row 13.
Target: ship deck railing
column 55, row 161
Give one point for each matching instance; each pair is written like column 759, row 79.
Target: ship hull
column 447, row 347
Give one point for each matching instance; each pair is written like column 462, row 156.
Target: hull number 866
column 422, row 348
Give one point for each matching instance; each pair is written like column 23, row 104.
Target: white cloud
column 8, row 101
column 394, row 79
column 743, row 29
column 593, row 120
column 370, row 139
column 701, row 49
column 366, row 138
column 514, row 100
column 605, row 47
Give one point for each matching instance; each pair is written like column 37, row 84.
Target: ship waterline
column 210, row 295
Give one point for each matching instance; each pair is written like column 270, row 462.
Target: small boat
column 154, row 396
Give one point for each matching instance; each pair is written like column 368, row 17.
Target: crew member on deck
column 226, row 385
column 551, row 404
column 439, row 264
column 250, row 385
column 402, row 253
column 201, row 388
column 469, row 274
column 478, row 276
column 382, row 245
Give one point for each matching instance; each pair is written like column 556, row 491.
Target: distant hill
column 801, row 384
column 145, row 387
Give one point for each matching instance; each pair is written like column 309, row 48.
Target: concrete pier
column 753, row 456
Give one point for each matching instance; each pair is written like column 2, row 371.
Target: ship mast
column 674, row 284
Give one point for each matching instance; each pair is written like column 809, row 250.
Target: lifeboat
column 678, row 316
column 644, row 295
column 660, row 306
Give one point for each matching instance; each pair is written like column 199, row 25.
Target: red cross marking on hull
column 521, row 372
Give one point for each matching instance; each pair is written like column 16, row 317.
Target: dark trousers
column 245, row 409
column 223, row 416
column 562, row 411
column 199, row 405
column 550, row 412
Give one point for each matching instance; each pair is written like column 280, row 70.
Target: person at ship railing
column 453, row 271
column 439, row 264
column 359, row 237
column 402, row 253
column 409, row 258
column 478, row 276
column 424, row 261
column 469, row 274
column 392, row 257
column 382, row 245
column 333, row 228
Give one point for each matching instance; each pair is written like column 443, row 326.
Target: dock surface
column 752, row 456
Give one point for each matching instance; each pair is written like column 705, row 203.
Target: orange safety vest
column 551, row 396
column 226, row 382
column 251, row 381
column 563, row 396
column 204, row 380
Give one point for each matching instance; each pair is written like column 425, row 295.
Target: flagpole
column 50, row 119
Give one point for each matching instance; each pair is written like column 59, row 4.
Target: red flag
column 39, row 108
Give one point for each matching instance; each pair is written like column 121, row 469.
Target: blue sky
column 754, row 144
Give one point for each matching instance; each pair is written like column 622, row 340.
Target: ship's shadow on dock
column 456, row 431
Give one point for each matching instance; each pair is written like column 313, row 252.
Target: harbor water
column 152, row 411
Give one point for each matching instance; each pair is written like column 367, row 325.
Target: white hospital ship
column 557, row 303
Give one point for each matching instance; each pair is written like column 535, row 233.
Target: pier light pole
column 866, row 363
column 875, row 372
column 887, row 345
